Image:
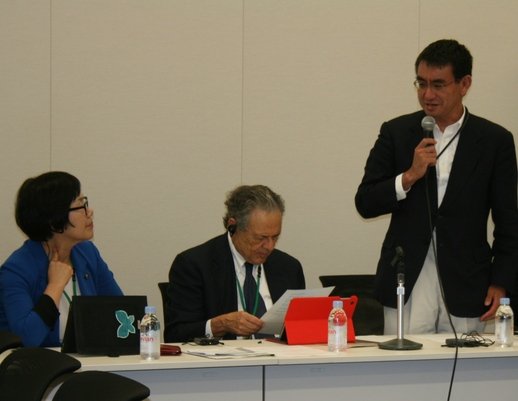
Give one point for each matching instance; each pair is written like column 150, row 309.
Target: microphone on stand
column 400, row 343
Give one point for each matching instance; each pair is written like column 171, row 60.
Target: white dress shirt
column 444, row 162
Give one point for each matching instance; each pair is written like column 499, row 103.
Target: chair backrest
column 368, row 317
column 166, row 301
column 350, row 284
column 26, row 373
column 9, row 340
column 100, row 386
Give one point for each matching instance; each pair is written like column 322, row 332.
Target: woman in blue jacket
column 58, row 260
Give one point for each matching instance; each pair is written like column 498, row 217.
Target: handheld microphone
column 428, row 123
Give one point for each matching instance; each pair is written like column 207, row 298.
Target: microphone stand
column 400, row 343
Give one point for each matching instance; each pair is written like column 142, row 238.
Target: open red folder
column 306, row 319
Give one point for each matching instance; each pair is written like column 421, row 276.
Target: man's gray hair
column 243, row 200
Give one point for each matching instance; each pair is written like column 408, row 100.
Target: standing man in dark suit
column 440, row 192
column 207, row 286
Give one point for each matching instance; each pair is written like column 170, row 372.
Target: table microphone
column 400, row 343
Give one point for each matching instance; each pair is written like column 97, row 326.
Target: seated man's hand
column 239, row 323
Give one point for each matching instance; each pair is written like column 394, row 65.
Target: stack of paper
column 224, row 352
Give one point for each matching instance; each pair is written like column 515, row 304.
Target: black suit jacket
column 483, row 179
column 202, row 285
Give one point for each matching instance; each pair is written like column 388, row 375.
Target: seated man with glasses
column 222, row 288
column 58, row 260
column 440, row 191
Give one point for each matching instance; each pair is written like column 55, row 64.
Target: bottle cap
column 505, row 301
column 149, row 309
column 338, row 304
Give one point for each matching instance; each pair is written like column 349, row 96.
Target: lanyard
column 456, row 134
column 74, row 289
column 241, row 295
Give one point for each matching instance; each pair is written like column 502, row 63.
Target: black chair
column 26, row 373
column 100, row 386
column 166, row 301
column 368, row 317
column 9, row 340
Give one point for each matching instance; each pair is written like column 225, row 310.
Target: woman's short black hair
column 42, row 204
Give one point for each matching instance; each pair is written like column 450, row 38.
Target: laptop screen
column 104, row 325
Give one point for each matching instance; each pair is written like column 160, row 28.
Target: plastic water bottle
column 150, row 334
column 337, row 328
column 504, row 324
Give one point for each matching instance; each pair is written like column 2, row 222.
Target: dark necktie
column 250, row 291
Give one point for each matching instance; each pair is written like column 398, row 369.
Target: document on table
column 274, row 317
column 225, row 352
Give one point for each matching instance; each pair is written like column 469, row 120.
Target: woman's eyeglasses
column 84, row 206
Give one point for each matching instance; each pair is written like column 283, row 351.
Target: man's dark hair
column 447, row 52
column 243, row 200
column 43, row 203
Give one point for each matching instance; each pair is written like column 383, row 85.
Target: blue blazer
column 23, row 278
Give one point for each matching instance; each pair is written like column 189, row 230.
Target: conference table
column 275, row 372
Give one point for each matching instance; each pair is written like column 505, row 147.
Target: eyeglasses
column 437, row 86
column 84, row 206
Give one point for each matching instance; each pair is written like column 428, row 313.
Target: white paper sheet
column 274, row 317
column 225, row 352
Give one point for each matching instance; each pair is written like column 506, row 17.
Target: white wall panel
column 320, row 77
column 147, row 111
column 160, row 107
column 25, row 135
